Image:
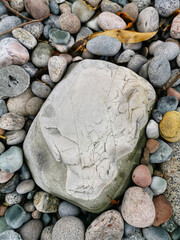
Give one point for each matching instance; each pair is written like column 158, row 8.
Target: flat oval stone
column 82, row 11
column 168, row 50
column 8, row 23
column 141, row 176
column 10, row 235
column 14, row 81
column 158, row 185
column 33, row 105
column 56, row 66
column 13, row 198
column 137, row 208
column 109, row 21
column 15, row 137
column 165, row 8
column 5, row 177
column 25, row 37
column 41, row 55
column 11, row 185
column 109, row 225
column 40, row 89
column 58, row 36
column 37, row 8
column 69, row 22
column 131, row 9
column 68, row 209
column 25, row 186
column 167, row 104
column 12, row 121
column 12, row 52
column 31, row 230
column 11, row 160
column 109, row 6
column 104, row 45
column 155, row 233
column 174, row 31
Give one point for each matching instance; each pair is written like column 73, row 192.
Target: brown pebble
column 175, row 29
column 141, row 176
column 2, row 210
column 5, row 177
column 145, row 159
column 37, row 8
column 174, row 93
column 64, row 8
column 131, row 9
column 36, row 214
column 152, row 145
column 70, row 23
column 68, row 57
column 163, row 210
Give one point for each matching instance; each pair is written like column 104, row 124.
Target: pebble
column 3, row 9
column 63, row 48
column 65, row 8
column 109, row 225
column 2, row 210
column 15, row 137
column 125, row 56
column 104, row 45
column 84, row 31
column 141, row 176
column 12, row 121
column 137, row 208
column 142, row 4
column 40, row 89
column 149, row 192
column 94, row 3
column 37, row 9
column 47, row 233
column 30, row 69
column 152, row 129
column 36, row 29
column 3, row 108
column 18, row 104
column 57, row 66
column 8, row 23
column 12, row 52
column 36, row 214
column 93, row 24
column 132, row 10
column 68, row 209
column 109, row 6
column 158, row 76
column 33, row 105
column 163, row 210
column 54, row 7
column 158, row 185
column 68, row 227
column 31, row 230
column 25, row 186
column 173, row 72
column 169, row 50
column 175, row 31
column 82, row 11
column 87, row 55
column 46, row 31
column 2, row 147
column 13, row 198
column 3, row 225
column 58, row 36
column 170, row 126
column 14, row 81
column 29, row 207
column 132, row 46
column 155, row 233
column 45, row 202
column 109, row 21
column 5, row 177
column 174, row 93
column 157, row 115
column 16, row 216
column 167, row 103
column 41, row 55
column 165, row 8
column 10, row 235
column 25, row 38
column 152, row 145
column 11, row 185
column 18, row 5
column 163, row 154
column 46, row 79
column 70, row 23
column 153, row 45
column 136, row 62
column 46, row 219
column 143, row 71
column 128, row 229
column 176, row 234
column 169, row 226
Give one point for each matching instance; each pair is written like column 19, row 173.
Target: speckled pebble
column 142, row 4
column 165, row 8
column 169, row 50
column 167, row 103
column 56, row 66
column 40, row 89
column 8, row 23
column 12, row 121
column 31, row 230
column 169, row 226
column 33, row 105
column 25, row 186
column 158, row 185
column 82, row 11
column 136, row 62
column 109, row 6
column 29, row 206
column 47, row 233
column 68, row 209
column 155, row 233
column 13, row 198
column 35, row 29
column 152, row 129
column 70, row 23
column 10, row 235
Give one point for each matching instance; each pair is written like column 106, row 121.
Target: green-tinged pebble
column 58, row 36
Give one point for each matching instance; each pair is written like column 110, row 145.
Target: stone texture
column 109, row 225
column 8, row 23
column 47, row 233
column 137, row 208
column 18, row 5
column 102, row 133
column 152, row 145
column 109, row 6
column 37, row 8
column 25, row 186
column 158, row 185
column 15, row 137
column 175, row 29
column 82, row 11
column 56, row 66
column 10, row 235
column 141, row 176
column 33, row 105
column 5, row 177
column 165, row 8
column 69, row 22
column 169, row 50
column 155, row 233
column 12, row 121
column 131, row 9
column 35, row 29
column 41, row 55
column 31, row 230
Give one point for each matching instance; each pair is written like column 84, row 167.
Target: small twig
column 14, row 11
column 26, row 23
column 3, row 137
column 171, row 81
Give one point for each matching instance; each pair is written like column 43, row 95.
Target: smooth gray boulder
column 89, row 134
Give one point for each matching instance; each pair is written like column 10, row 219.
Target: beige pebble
column 175, row 27
column 33, row 105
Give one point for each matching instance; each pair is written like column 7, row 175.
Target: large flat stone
column 89, row 134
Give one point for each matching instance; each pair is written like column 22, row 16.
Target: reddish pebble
column 152, row 145
column 5, row 177
column 174, row 93
column 36, row 214
column 141, row 176
column 2, row 131
column 163, row 210
column 68, row 57
column 2, row 210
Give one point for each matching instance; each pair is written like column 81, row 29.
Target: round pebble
column 56, row 66
column 152, row 145
column 15, row 137
column 165, row 8
column 169, row 50
column 36, row 214
column 13, row 198
column 152, row 129
column 10, row 235
column 167, row 103
column 158, row 185
column 11, row 160
column 31, row 230
column 141, row 176
column 109, row 6
column 37, row 9
column 40, row 89
column 68, row 209
column 163, row 210
column 137, row 208
column 68, row 227
column 29, row 206
column 25, row 186
column 170, row 126
column 12, row 121
column 131, row 9
column 41, row 55
column 155, row 233
column 5, row 177
column 58, row 36
column 125, row 56
column 136, row 62
column 70, row 23
column 109, row 225
column 82, row 11
column 47, row 233
column 33, row 105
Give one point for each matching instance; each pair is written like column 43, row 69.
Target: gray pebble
column 104, row 45
column 159, row 71
column 169, row 226
column 25, row 186
column 33, row 105
column 84, row 31
column 45, row 78
column 41, row 55
column 31, row 230
column 152, row 129
column 47, row 233
column 128, row 229
column 40, row 89
column 174, row 71
column 13, row 198
column 178, row 60
column 93, row 24
column 53, row 21
column 125, row 56
column 82, row 11
column 56, row 66
column 11, row 185
column 153, row 45
column 166, row 7
column 158, row 185
column 12, row 121
column 167, row 103
column 136, row 62
column 15, row 137
column 58, row 36
column 142, row 4
column 36, row 29
column 2, row 147
column 3, row 108
column 30, row 69
column 143, row 71
column 46, row 31
column 109, row 6
column 3, row 9
column 54, row 7
column 8, row 23
column 155, row 233
column 163, row 154
column 29, row 207
column 168, row 50
column 157, row 115
column 24, row 172
column 14, row 81
column 69, row 227
column 10, row 235
column 132, row 46
column 68, row 209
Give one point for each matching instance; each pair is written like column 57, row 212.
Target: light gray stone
column 56, row 67
column 35, row 29
column 82, row 11
column 40, row 89
column 109, row 6
column 169, row 50
column 158, row 185
column 15, row 137
column 153, row 45
column 13, row 198
column 125, row 56
column 41, row 55
column 93, row 24
column 166, row 7
column 93, row 136
column 84, row 31
column 142, row 4
column 8, row 23
column 152, row 129
column 12, row 121
column 136, row 62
